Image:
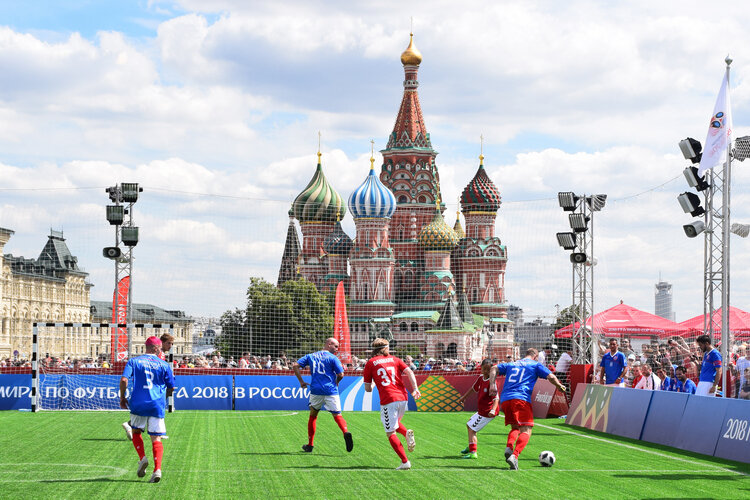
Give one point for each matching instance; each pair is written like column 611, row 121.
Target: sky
column 214, row 108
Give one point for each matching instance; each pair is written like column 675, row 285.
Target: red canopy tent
column 739, row 322
column 624, row 320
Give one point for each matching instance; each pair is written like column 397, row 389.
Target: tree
column 566, row 317
column 236, row 336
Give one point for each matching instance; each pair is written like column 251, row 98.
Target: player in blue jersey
column 515, row 399
column 326, row 372
column 152, row 383
column 710, row 368
column 613, row 366
column 682, row 383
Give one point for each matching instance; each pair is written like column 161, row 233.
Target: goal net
column 71, row 366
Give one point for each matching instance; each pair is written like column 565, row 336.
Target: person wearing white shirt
column 649, row 380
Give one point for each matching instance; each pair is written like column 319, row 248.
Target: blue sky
column 215, row 107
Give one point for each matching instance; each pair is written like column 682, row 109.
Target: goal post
column 72, row 366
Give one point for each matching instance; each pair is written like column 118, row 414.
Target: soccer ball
column 547, row 459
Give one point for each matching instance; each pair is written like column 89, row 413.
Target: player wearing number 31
column 151, row 383
column 387, row 373
column 515, row 400
column 326, row 372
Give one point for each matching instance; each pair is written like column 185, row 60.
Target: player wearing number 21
column 515, row 400
column 151, row 383
column 326, row 372
column 387, row 373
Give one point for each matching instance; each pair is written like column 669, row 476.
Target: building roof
column 480, row 194
column 318, row 202
column 142, row 313
column 431, row 315
column 372, row 198
column 338, row 242
column 54, row 262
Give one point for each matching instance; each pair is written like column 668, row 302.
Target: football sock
column 158, row 449
column 311, row 429
column 523, row 438
column 472, row 447
column 340, row 422
column 512, row 435
column 398, row 447
column 401, row 429
column 138, row 443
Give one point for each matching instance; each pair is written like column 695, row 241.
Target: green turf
column 257, row 455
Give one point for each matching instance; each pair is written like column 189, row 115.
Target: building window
column 414, row 327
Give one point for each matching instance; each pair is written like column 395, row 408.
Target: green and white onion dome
column 318, row 202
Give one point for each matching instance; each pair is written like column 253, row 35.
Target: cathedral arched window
column 403, row 327
column 422, row 199
column 452, row 351
column 402, row 199
column 414, row 327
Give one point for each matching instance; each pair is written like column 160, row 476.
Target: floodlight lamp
column 578, row 258
column 691, row 149
column 115, row 214
column 597, row 201
column 691, row 204
column 130, row 192
column 693, row 180
column 741, row 148
column 114, row 194
column 694, row 228
column 741, row 230
column 578, row 222
column 567, row 240
column 567, row 200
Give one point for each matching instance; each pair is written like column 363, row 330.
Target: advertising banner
column 15, row 392
column 734, row 436
column 701, row 424
column 592, row 411
column 664, row 415
column 74, row 392
column 546, row 398
column 442, row 392
column 120, row 316
column 203, row 392
column 627, row 411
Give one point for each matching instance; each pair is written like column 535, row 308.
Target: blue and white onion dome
column 372, row 199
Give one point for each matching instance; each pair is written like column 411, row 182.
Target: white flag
column 719, row 131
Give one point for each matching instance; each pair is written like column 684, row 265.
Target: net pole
column 34, row 367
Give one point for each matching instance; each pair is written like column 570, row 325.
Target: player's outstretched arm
column 463, row 398
column 298, row 374
column 413, row 382
column 493, row 384
column 123, row 390
column 556, row 382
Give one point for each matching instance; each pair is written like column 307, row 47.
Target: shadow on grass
column 103, row 439
column 288, row 453
column 97, row 480
column 682, row 476
column 340, row 467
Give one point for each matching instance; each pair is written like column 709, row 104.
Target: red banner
column 119, row 316
column 341, row 325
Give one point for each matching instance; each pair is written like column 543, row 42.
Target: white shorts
column 391, row 414
column 477, row 422
column 332, row 402
column 703, row 388
column 153, row 425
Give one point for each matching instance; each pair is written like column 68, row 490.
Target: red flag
column 341, row 325
column 120, row 315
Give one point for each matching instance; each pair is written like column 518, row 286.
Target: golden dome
column 411, row 56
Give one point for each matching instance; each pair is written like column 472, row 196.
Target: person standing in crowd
column 744, row 392
column 486, row 408
column 515, row 400
column 326, row 372
column 562, row 368
column 649, row 381
column 388, row 373
column 742, row 365
column 666, row 381
column 684, row 384
column 152, row 384
column 634, row 374
column 710, row 367
column 613, row 365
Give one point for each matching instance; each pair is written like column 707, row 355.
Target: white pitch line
column 438, row 469
column 118, row 470
column 631, row 447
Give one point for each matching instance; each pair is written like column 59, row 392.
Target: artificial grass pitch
column 257, row 455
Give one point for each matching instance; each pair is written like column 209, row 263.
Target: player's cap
column 153, row 341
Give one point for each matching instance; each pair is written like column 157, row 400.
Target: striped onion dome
column 318, row 202
column 437, row 235
column 481, row 195
column 338, row 242
column 372, row 198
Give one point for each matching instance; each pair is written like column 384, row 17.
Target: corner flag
column 719, row 131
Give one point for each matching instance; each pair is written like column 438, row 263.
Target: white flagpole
column 725, row 247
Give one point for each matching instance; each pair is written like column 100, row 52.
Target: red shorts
column 518, row 412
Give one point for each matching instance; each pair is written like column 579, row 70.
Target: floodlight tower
column 124, row 197
column 581, row 241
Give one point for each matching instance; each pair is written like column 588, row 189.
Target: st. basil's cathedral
column 407, row 273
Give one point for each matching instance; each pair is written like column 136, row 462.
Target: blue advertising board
column 15, row 392
column 734, row 437
column 203, row 392
column 664, row 416
column 627, row 411
column 701, row 423
column 74, row 392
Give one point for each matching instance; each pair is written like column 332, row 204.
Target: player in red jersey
column 166, row 344
column 387, row 373
column 486, row 407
